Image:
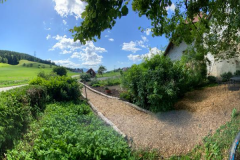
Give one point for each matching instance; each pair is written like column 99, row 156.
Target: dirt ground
column 115, row 90
column 176, row 132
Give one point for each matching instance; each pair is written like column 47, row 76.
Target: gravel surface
column 176, row 132
column 8, row 88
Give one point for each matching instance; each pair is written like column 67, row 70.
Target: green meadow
column 11, row 75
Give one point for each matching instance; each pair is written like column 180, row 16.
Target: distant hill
column 13, row 58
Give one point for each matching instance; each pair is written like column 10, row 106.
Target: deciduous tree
column 210, row 25
column 101, row 69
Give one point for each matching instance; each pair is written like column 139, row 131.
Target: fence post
column 85, row 89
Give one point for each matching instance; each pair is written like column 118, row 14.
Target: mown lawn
column 18, row 74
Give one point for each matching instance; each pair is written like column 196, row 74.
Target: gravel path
column 8, row 88
column 172, row 133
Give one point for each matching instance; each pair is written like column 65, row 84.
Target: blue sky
column 43, row 26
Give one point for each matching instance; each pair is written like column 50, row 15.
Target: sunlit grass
column 18, row 74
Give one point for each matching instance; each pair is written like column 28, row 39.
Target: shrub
column 126, row 96
column 112, row 82
column 94, row 82
column 42, row 74
column 61, row 71
column 18, row 107
column 157, row 83
column 60, row 88
column 237, row 73
column 96, row 85
column 226, row 76
column 212, row 79
column 85, row 77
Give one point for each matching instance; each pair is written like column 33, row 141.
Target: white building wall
column 215, row 68
column 175, row 53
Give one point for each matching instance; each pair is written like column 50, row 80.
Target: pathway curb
column 130, row 104
column 105, row 119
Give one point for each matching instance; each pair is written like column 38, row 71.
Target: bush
column 85, row 77
column 126, row 96
column 94, row 82
column 60, row 88
column 61, row 71
column 69, row 131
column 18, row 107
column 157, row 83
column 212, row 79
column 226, row 76
column 237, row 73
column 96, row 85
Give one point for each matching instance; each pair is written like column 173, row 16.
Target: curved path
column 8, row 88
column 171, row 133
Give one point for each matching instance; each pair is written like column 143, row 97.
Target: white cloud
column 48, row 29
column 131, row 46
column 69, row 7
column 171, row 8
column 48, row 36
column 106, row 36
column 66, row 44
column 147, row 31
column 138, row 57
column 66, row 52
column 134, row 57
column 64, row 22
column 88, row 54
column 66, row 63
column 111, row 39
column 144, row 39
column 135, row 46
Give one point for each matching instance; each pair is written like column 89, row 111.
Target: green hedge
column 18, row 107
column 60, row 88
column 157, row 83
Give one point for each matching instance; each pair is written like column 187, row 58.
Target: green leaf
column 124, row 10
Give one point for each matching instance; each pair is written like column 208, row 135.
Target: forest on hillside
column 13, row 58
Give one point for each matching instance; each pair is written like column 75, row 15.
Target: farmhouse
column 214, row 68
column 91, row 72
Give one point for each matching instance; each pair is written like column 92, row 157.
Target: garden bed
column 115, row 90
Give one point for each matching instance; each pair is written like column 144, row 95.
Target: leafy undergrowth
column 215, row 146
column 69, row 131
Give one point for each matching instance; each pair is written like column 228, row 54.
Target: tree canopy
column 211, row 25
column 101, row 69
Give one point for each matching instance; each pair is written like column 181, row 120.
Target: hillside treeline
column 13, row 58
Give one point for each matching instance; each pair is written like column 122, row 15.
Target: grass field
column 18, row 74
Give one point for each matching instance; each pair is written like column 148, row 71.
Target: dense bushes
column 18, row 107
column 68, row 131
column 226, row 76
column 85, row 77
column 61, row 71
column 157, row 83
column 59, row 88
column 212, row 79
